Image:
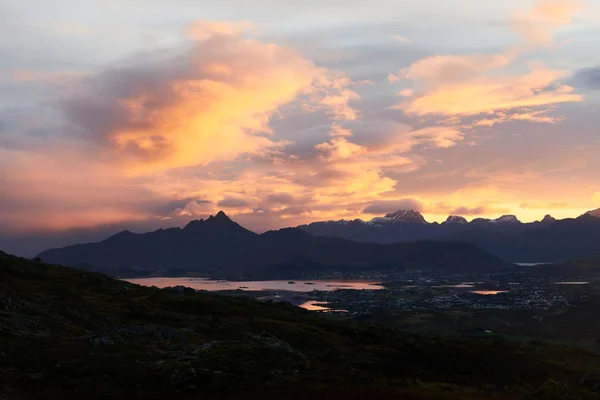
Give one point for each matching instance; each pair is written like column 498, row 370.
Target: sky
column 142, row 114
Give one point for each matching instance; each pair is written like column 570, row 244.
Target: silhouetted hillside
column 548, row 240
column 222, row 248
column 72, row 334
column 585, row 267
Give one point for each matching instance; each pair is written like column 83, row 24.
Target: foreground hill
column 68, row 333
column 222, row 248
column 581, row 268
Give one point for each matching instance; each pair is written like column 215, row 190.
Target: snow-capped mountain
column 508, row 219
column 507, row 237
column 455, row 219
column 400, row 216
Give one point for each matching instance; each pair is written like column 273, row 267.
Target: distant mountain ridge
column 548, row 240
column 220, row 247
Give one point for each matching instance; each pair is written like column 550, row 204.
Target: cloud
column 58, row 188
column 339, row 148
column 280, row 198
column 203, row 30
column 232, row 202
column 337, row 130
column 454, row 67
column 588, row 78
column 449, row 84
column 212, row 102
column 538, row 88
column 405, row 140
column 385, row 207
column 544, row 205
column 392, row 78
column 401, row 39
column 192, row 207
column 477, row 210
column 53, row 79
column 523, row 115
column 537, row 24
column 331, row 93
column 295, row 211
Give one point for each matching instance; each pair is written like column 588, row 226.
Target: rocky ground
column 67, row 333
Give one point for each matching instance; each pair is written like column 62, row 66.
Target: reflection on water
column 530, row 264
column 489, row 292
column 314, row 306
column 459, row 286
column 319, row 306
column 293, row 286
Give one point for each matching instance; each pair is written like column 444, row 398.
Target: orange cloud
column 535, row 89
column 401, row 39
column 544, row 205
column 392, row 78
column 454, row 67
column 537, row 25
column 339, row 148
column 212, row 103
column 533, row 116
column 59, row 188
column 337, row 130
column 203, row 30
column 467, row 85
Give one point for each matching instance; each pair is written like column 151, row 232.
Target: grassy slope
column 69, row 333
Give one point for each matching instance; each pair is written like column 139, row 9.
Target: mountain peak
column 400, row 216
column 220, row 219
column 548, row 218
column 508, row 219
column 221, row 216
column 594, row 213
column 455, row 219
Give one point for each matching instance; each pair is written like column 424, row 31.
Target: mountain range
column 548, row 240
column 221, row 248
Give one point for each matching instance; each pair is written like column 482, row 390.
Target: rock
column 206, row 346
column 181, row 289
column 102, row 340
column 274, row 343
column 125, row 333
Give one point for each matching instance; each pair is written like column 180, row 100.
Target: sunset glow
column 281, row 113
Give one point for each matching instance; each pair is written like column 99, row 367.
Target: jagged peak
column 193, row 223
column 455, row 219
column 221, row 215
column 401, row 216
column 548, row 218
column 594, row 213
column 508, row 219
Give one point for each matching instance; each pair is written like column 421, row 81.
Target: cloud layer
column 280, row 122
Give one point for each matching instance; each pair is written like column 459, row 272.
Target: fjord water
column 292, row 286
